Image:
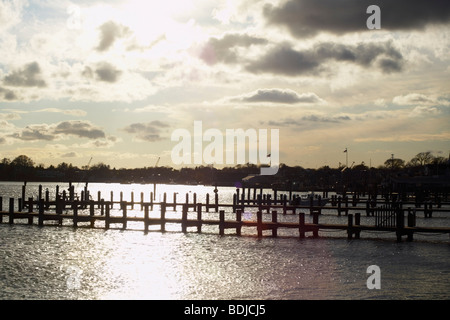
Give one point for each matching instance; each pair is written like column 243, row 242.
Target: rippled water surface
column 59, row 262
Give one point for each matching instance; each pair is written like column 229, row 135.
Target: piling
column 221, row 222
column 238, row 220
column 199, row 217
column 41, row 213
column 301, row 224
column 274, row 220
column 259, row 223
column 350, row 227
column 11, row 210
column 163, row 216
column 184, row 216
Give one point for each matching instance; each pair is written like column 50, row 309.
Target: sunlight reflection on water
column 66, row 263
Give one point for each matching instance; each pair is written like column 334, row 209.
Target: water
column 57, row 262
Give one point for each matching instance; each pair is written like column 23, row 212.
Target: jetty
column 263, row 214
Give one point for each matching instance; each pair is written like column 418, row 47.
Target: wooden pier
column 98, row 214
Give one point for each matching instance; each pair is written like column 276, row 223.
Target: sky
column 112, row 80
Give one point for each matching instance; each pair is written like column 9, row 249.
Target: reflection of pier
column 103, row 214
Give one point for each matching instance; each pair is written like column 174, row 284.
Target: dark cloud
column 307, row 18
column 104, row 72
column 82, row 129
column 279, row 96
column 8, row 95
column 222, row 50
column 69, row 155
column 35, row 132
column 287, row 61
column 28, row 76
column 150, row 131
column 305, row 120
column 109, row 33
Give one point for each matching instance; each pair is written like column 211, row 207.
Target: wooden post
column 339, row 203
column 124, row 214
column 301, row 224
column 174, row 201
column 41, row 213
column 40, row 192
column 350, row 227
column 47, row 198
column 102, row 206
column 151, row 201
column 316, row 222
column 221, row 222
column 91, row 212
column 184, row 218
column 107, row 217
column 357, row 223
column 23, row 193
column 20, row 204
column 400, row 224
column 259, row 223
column 142, row 201
column 11, row 210
column 112, row 199
column 207, row 202
column 275, row 221
column 75, row 213
column 216, row 198
column 132, row 200
column 199, row 217
column 163, row 216
column 411, row 223
column 239, row 220
column 146, row 217
column 1, row 204
column 234, row 202
column 99, row 196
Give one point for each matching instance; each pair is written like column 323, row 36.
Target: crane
column 157, row 161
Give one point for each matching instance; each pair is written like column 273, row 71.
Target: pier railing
column 98, row 214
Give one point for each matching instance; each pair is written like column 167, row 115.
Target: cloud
column 70, row 155
column 70, row 112
column 415, row 99
column 150, row 131
column 109, row 33
column 107, row 72
column 82, row 129
column 103, row 71
column 307, row 18
column 308, row 119
column 287, row 61
column 222, row 50
column 7, row 94
column 284, row 96
column 35, row 132
column 10, row 13
column 28, row 76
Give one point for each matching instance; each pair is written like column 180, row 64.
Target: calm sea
column 59, row 262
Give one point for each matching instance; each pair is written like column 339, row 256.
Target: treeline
column 355, row 177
